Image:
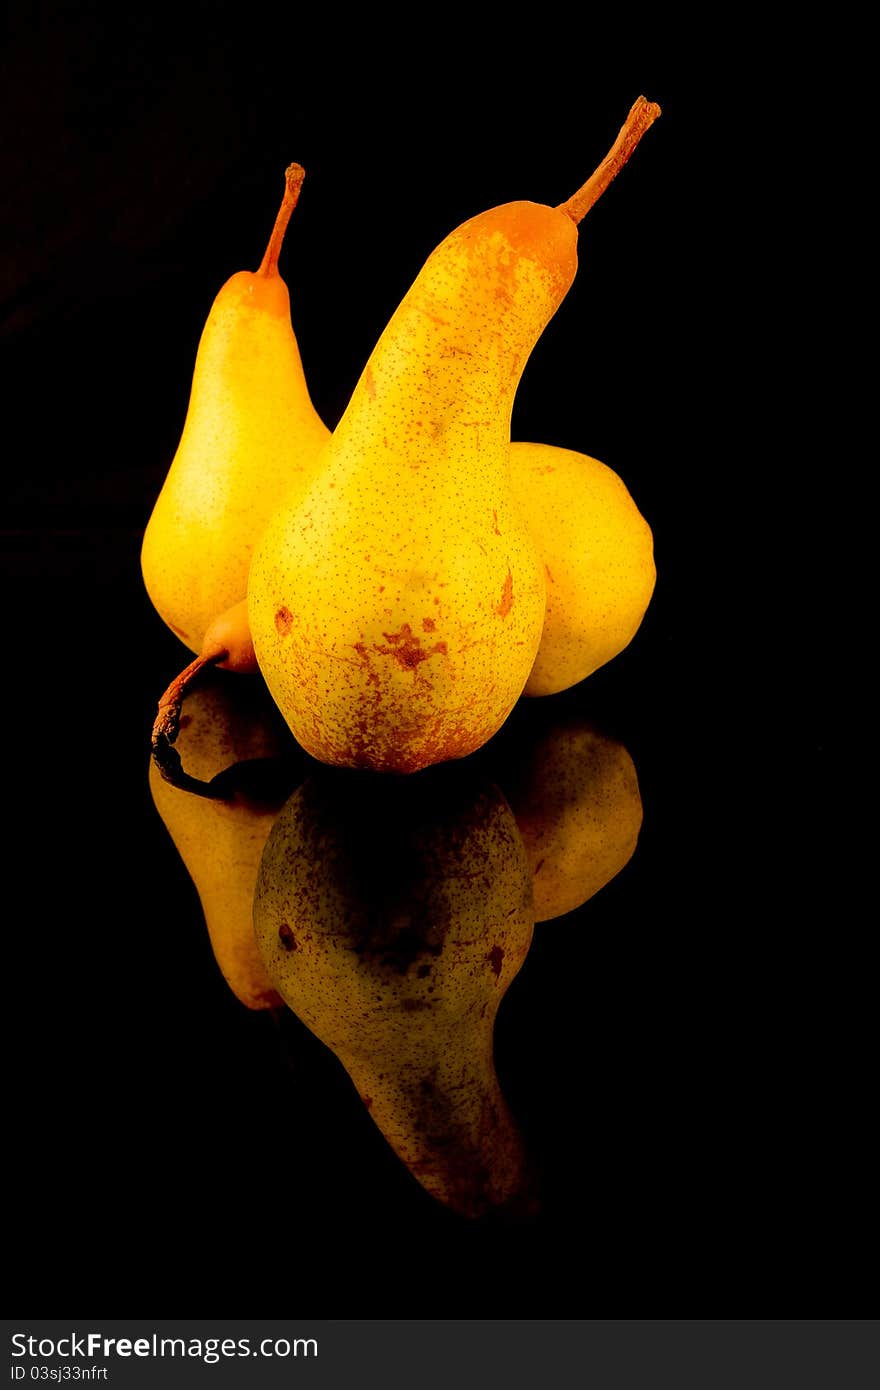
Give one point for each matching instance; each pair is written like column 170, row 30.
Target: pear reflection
column 392, row 914
column 575, row 795
column 233, row 743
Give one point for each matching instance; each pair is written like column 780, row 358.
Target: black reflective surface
column 684, row 1053
column 181, row 1126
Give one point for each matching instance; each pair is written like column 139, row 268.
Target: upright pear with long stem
column 250, row 431
column 396, row 607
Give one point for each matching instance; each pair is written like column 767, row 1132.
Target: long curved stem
column 643, row 114
column 166, row 726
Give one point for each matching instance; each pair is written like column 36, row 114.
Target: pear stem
column 262, row 782
column 642, row 114
column 166, row 726
column 293, row 182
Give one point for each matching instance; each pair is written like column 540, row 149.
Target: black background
column 682, row 1053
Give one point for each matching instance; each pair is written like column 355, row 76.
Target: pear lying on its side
column 598, row 554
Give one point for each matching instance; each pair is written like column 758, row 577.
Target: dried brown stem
column 293, row 182
column 166, row 727
column 642, row 114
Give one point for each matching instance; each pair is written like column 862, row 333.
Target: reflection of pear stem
column 642, row 114
column 293, row 175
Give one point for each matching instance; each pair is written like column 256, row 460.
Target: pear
column 396, row 605
column 229, row 725
column 575, row 794
column 598, row 555
column 392, row 915
column 250, row 432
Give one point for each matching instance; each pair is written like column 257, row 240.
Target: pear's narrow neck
column 445, row 1117
column 439, row 387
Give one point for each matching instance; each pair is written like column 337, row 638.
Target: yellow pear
column 598, row 555
column 575, row 795
column 250, row 431
column 392, row 914
column 396, row 606
column 229, row 725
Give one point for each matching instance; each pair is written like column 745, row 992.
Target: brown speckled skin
column 396, row 607
column 392, row 915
